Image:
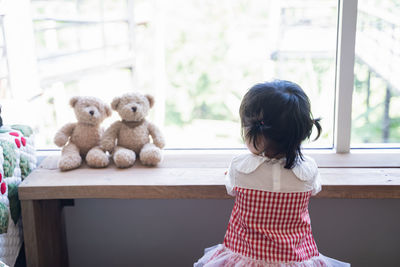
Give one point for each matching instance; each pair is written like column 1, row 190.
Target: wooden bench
column 182, row 175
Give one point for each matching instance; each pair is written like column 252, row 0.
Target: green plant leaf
column 3, row 218
column 10, row 158
column 24, row 129
column 15, row 205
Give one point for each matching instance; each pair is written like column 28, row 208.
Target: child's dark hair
column 280, row 112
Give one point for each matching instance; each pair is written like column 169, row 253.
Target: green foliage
column 24, row 165
column 322, row 67
column 196, row 60
column 3, row 218
column 222, row 49
column 10, row 158
column 24, row 129
column 211, row 111
column 368, row 133
column 394, row 130
column 172, row 115
column 368, row 110
column 15, row 205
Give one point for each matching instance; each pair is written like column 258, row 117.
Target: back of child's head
column 280, row 113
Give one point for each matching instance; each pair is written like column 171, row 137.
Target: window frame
column 347, row 26
column 344, row 86
column 344, row 82
column 48, row 81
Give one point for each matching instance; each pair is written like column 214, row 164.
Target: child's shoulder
column 249, row 162
column 246, row 163
column 306, row 169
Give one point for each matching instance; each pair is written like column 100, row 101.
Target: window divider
column 347, row 25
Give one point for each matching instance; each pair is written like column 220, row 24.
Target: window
column 208, row 53
column 4, row 76
column 376, row 100
column 82, row 48
column 198, row 57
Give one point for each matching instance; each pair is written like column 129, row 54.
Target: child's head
column 275, row 118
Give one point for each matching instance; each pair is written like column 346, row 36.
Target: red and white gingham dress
column 270, row 224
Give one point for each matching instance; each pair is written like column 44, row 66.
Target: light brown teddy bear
column 130, row 137
column 80, row 138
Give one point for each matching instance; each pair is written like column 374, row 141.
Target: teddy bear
column 129, row 138
column 81, row 139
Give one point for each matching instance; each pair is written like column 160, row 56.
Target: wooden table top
column 192, row 175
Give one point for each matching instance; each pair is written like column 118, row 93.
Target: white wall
column 175, row 232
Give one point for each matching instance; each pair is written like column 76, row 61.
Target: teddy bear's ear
column 73, row 101
column 115, row 102
column 151, row 100
column 108, row 110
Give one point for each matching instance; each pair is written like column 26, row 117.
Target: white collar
column 248, row 163
column 305, row 169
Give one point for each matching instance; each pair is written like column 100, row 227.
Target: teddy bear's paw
column 60, row 140
column 107, row 144
column 124, row 158
column 96, row 158
column 150, row 155
column 159, row 142
column 69, row 162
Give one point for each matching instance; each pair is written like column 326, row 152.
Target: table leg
column 44, row 233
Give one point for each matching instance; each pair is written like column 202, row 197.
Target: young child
column 270, row 224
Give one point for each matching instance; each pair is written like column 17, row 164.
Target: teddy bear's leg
column 123, row 157
column 97, row 158
column 150, row 155
column 70, row 158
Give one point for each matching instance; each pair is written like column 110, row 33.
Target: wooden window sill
column 194, row 174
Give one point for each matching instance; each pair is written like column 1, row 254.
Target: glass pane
column 200, row 56
column 3, row 66
column 197, row 57
column 4, row 86
column 53, row 104
column 1, row 32
column 116, row 33
column 83, row 48
column 376, row 97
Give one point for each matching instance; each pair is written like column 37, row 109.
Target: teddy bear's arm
column 62, row 136
column 158, row 138
column 107, row 142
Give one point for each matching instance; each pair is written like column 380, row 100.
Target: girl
column 270, row 224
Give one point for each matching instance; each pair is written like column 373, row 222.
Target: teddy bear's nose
column 91, row 112
column 134, row 109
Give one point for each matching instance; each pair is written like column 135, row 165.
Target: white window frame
column 347, row 22
column 347, row 25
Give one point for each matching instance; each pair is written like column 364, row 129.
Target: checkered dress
column 271, row 226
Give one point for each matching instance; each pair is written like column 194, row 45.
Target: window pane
column 197, row 57
column 4, row 84
column 213, row 51
column 376, row 97
column 83, row 47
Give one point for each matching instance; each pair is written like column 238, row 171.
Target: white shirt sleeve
column 316, row 185
column 230, row 181
column 307, row 171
